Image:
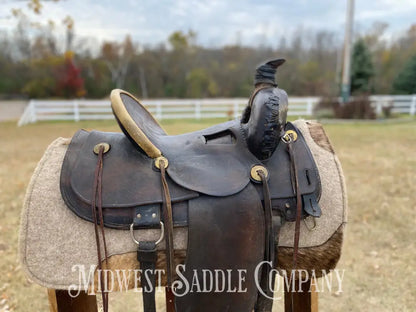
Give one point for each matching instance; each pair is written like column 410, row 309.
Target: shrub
column 358, row 107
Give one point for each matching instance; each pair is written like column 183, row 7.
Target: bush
column 387, row 110
column 325, row 108
column 358, row 108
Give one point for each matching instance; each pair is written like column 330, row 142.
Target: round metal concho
column 99, row 145
column 290, row 136
column 157, row 162
column 255, row 175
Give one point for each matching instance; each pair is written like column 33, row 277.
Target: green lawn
column 379, row 161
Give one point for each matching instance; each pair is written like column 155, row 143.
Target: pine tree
column 405, row 82
column 362, row 69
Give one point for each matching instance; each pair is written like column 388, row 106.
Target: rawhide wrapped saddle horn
column 264, row 118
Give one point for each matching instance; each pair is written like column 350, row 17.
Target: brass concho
column 290, row 136
column 255, row 175
column 105, row 145
column 157, row 162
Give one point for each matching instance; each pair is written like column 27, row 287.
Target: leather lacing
column 296, row 191
column 168, row 221
column 97, row 207
column 272, row 229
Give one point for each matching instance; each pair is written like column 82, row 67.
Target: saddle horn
column 266, row 73
column 265, row 115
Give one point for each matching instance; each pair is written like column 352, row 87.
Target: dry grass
column 379, row 253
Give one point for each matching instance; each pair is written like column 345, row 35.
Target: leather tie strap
column 168, row 221
column 272, row 227
column 96, row 204
column 295, row 184
column 147, row 256
column 170, row 299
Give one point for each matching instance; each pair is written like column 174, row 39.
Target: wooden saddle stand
column 232, row 185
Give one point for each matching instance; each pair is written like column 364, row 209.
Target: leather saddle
column 215, row 181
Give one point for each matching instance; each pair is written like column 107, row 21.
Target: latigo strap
column 97, row 205
column 273, row 225
column 147, row 256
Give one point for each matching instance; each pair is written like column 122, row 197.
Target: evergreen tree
column 362, row 69
column 405, row 82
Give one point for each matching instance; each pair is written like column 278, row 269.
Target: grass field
column 379, row 257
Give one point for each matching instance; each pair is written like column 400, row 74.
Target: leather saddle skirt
column 214, row 162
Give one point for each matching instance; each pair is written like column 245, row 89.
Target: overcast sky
column 216, row 22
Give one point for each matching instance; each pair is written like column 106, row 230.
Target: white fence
column 400, row 104
column 40, row 110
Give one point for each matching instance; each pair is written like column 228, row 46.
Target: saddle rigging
column 233, row 185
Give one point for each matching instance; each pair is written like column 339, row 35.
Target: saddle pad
column 53, row 239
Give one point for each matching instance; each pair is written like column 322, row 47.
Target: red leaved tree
column 70, row 83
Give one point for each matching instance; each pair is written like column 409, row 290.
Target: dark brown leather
column 207, row 186
column 96, row 204
column 132, row 185
column 232, row 236
column 168, row 222
column 267, row 120
column 265, row 73
column 147, row 256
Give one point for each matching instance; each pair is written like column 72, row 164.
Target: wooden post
column 61, row 301
column 305, row 301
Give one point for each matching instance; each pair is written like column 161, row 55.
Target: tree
column 199, row 84
column 117, row 56
column 362, row 69
column 405, row 81
column 70, row 82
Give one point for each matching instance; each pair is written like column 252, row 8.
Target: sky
column 217, row 23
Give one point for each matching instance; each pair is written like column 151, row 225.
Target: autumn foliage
column 70, row 84
column 33, row 63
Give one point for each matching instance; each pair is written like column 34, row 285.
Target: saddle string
column 267, row 216
column 168, row 221
column 97, row 203
column 295, row 185
column 271, row 240
column 295, row 181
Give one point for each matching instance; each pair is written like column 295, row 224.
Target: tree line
column 37, row 66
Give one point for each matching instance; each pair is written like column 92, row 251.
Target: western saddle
column 232, row 185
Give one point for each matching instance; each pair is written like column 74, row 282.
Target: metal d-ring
column 313, row 228
column 162, row 233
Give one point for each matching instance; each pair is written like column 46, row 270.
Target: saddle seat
column 195, row 159
column 214, row 162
